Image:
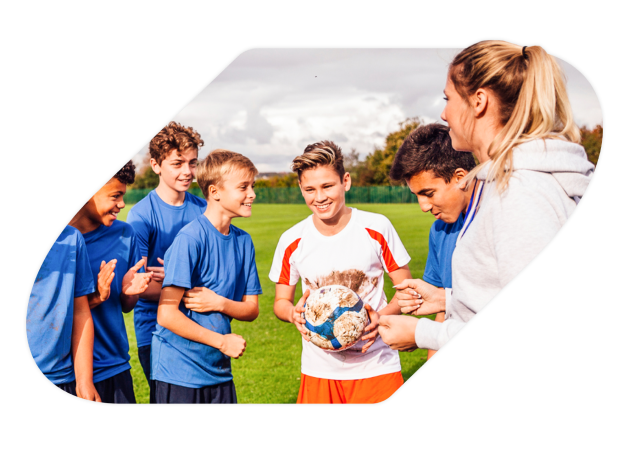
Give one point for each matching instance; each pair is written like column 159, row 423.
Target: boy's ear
column 156, row 167
column 459, row 174
column 347, row 181
column 212, row 192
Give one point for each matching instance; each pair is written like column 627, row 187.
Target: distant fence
column 356, row 195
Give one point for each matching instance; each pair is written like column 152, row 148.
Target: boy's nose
column 425, row 206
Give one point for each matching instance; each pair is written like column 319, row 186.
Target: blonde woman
column 508, row 105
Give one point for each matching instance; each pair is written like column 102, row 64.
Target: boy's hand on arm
column 105, row 277
column 202, row 299
column 170, row 317
column 82, row 349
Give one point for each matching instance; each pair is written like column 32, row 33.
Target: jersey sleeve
column 388, row 244
column 135, row 254
column 431, row 272
column 180, row 261
column 84, row 279
column 283, row 269
column 253, row 281
column 142, row 231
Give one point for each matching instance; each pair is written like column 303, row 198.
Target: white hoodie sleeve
column 515, row 227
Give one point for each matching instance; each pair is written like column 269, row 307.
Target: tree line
column 374, row 169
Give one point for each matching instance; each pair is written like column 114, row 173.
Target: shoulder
column 373, row 221
column 196, row 200
column 295, row 232
column 142, row 207
column 240, row 234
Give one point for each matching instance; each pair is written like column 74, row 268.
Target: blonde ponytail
column 530, row 87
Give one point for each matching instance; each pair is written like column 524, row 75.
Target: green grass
column 269, row 371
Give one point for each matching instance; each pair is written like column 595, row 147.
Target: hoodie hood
column 567, row 162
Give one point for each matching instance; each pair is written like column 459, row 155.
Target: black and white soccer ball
column 335, row 317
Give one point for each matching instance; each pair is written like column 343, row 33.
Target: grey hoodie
column 510, row 229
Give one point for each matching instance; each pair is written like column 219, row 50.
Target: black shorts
column 117, row 389
column 165, row 393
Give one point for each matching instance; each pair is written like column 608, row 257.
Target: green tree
column 286, row 181
column 145, row 179
column 379, row 162
column 592, row 141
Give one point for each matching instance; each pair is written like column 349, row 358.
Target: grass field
column 269, row 371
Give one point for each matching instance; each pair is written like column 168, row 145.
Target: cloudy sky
column 270, row 103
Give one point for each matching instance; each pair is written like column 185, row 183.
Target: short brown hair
column 174, row 137
column 323, row 153
column 429, row 148
column 217, row 164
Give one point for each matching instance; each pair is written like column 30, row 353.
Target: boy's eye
column 445, row 98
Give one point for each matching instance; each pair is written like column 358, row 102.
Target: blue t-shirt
column 64, row 275
column 111, row 346
column 201, row 256
column 156, row 224
column 441, row 244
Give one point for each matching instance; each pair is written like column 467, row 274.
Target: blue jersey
column 111, row 346
column 201, row 256
column 441, row 244
column 156, row 224
column 64, row 275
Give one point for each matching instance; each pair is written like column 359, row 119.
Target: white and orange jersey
column 357, row 258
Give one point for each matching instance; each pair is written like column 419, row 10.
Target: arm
column 438, row 318
column 285, row 310
column 170, row 317
column 371, row 331
column 83, row 349
column 202, row 299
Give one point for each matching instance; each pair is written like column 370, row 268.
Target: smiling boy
column 434, row 172
column 111, row 246
column 191, row 349
column 338, row 245
column 158, row 218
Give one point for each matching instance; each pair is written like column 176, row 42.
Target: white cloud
column 270, row 103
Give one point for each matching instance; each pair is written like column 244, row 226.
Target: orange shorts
column 314, row 390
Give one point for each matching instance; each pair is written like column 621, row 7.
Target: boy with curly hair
column 339, row 245
column 111, row 244
column 159, row 217
column 191, row 349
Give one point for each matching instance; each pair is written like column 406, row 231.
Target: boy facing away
column 435, row 173
column 191, row 349
column 59, row 325
column 158, row 218
column 111, row 245
column 338, row 245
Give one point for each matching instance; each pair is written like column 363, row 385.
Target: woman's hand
column 416, row 297
column 398, row 332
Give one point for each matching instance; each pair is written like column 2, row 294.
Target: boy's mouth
column 323, row 207
column 247, row 204
column 114, row 213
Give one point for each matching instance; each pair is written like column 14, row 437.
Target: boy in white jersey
column 338, row 245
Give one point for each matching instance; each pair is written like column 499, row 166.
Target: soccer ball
column 335, row 317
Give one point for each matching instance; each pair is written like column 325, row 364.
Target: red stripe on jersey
column 285, row 274
column 386, row 252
